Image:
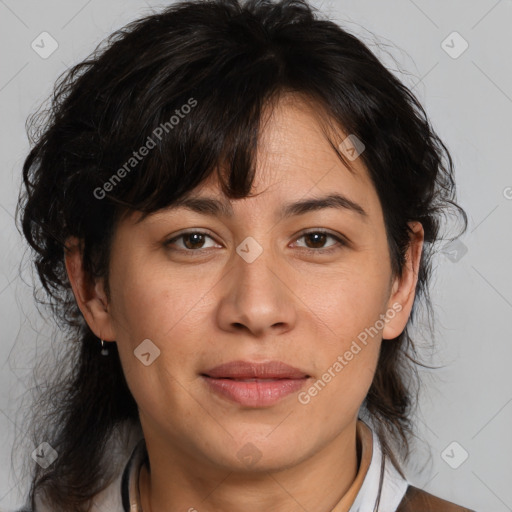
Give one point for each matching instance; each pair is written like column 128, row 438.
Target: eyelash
column 341, row 242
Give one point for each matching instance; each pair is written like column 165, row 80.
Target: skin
column 302, row 308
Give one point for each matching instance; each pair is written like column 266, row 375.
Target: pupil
column 196, row 239
column 320, row 238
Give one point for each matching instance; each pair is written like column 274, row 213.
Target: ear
column 403, row 289
column 90, row 296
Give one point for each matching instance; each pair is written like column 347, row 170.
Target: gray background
column 468, row 99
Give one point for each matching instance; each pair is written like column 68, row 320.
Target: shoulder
column 416, row 500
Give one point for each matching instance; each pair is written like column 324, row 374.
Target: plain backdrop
column 465, row 413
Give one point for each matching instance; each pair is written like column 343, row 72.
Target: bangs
column 192, row 135
column 174, row 129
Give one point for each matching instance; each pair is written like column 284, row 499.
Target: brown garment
column 416, row 500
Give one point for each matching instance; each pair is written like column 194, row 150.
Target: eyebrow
column 214, row 207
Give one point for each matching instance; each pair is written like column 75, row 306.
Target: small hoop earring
column 104, row 350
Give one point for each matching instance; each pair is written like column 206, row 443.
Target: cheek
column 150, row 300
column 150, row 303
column 349, row 305
column 335, row 396
column 351, row 299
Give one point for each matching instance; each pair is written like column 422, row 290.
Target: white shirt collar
column 393, row 486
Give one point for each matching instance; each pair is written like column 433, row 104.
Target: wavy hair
column 233, row 59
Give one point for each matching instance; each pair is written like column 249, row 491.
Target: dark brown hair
column 227, row 60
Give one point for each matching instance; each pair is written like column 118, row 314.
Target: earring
column 104, row 350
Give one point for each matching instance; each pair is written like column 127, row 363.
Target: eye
column 195, row 241
column 192, row 241
column 315, row 241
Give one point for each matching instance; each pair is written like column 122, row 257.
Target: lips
column 254, row 384
column 242, row 370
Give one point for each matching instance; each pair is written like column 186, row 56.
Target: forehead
column 296, row 135
column 295, row 157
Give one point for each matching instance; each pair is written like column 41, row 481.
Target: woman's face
column 251, row 286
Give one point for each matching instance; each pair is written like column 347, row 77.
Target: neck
column 316, row 483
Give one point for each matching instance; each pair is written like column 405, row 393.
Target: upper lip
column 253, row 370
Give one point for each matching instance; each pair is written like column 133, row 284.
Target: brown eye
column 315, row 241
column 193, row 241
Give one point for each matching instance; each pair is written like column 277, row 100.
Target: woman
column 233, row 209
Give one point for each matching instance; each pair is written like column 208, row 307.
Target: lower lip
column 255, row 394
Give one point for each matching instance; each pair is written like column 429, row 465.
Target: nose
column 257, row 297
